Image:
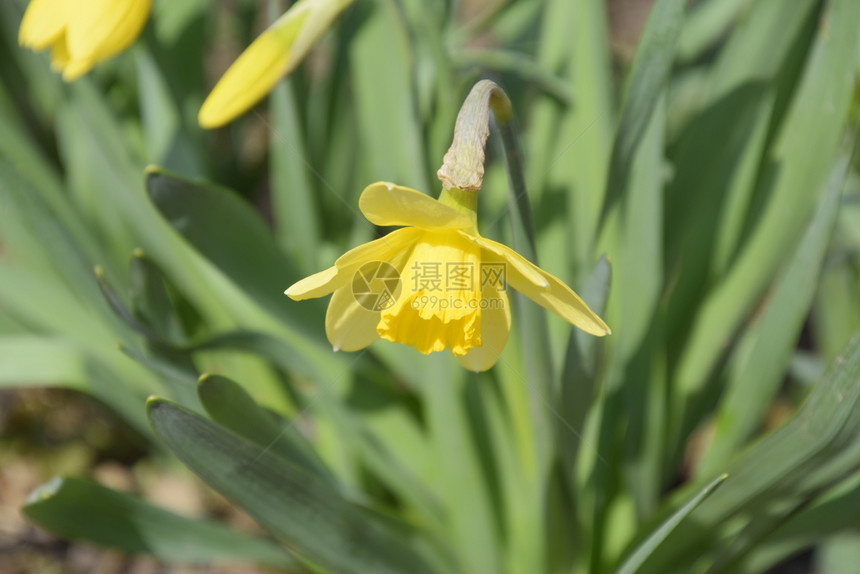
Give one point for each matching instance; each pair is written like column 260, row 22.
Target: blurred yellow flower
column 269, row 58
column 81, row 33
column 435, row 283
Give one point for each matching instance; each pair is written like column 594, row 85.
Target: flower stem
column 519, row 197
column 462, row 174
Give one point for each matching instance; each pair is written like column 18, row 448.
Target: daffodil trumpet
column 81, row 34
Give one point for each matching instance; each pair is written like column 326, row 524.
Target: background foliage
column 715, row 171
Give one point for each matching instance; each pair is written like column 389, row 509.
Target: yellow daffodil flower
column 82, row 33
column 450, row 290
column 269, row 58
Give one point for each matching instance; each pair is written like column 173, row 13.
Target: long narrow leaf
column 638, row 557
column 79, row 509
column 299, row 509
column 757, row 368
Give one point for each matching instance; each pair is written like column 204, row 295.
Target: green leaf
column 819, row 446
column 710, row 195
column 648, row 77
column 18, row 147
column 41, row 361
column 228, row 232
column 706, row 23
column 171, row 20
column 636, row 247
column 580, row 400
column 380, row 57
column 101, row 166
column 756, row 370
column 247, row 257
column 834, row 511
column 108, row 152
column 30, row 80
column 299, row 509
column 373, row 436
column 436, row 81
column 837, row 309
column 527, row 535
column 121, row 308
column 44, row 306
column 577, row 158
column 635, row 383
column 176, row 366
column 836, row 312
column 760, row 45
column 293, row 197
column 280, row 353
column 230, row 406
column 167, row 143
column 629, row 229
column 49, row 237
column 801, row 159
column 518, row 64
column 579, row 376
column 840, row 553
column 633, row 562
column 151, row 299
column 108, row 186
column 473, row 529
column 80, row 509
column 531, row 320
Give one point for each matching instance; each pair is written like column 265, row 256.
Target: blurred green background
column 692, row 173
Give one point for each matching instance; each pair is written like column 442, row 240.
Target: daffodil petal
column 274, row 54
column 389, row 248
column 495, row 326
column 549, row 292
column 494, row 252
column 561, row 300
column 385, row 204
column 43, row 24
column 99, row 29
column 382, row 249
column 348, row 325
column 317, row 285
column 59, row 54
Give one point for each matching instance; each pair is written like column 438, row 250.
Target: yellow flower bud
column 81, row 34
column 269, row 58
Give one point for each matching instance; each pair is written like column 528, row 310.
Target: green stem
column 510, row 61
column 534, row 331
column 519, row 197
column 462, row 174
